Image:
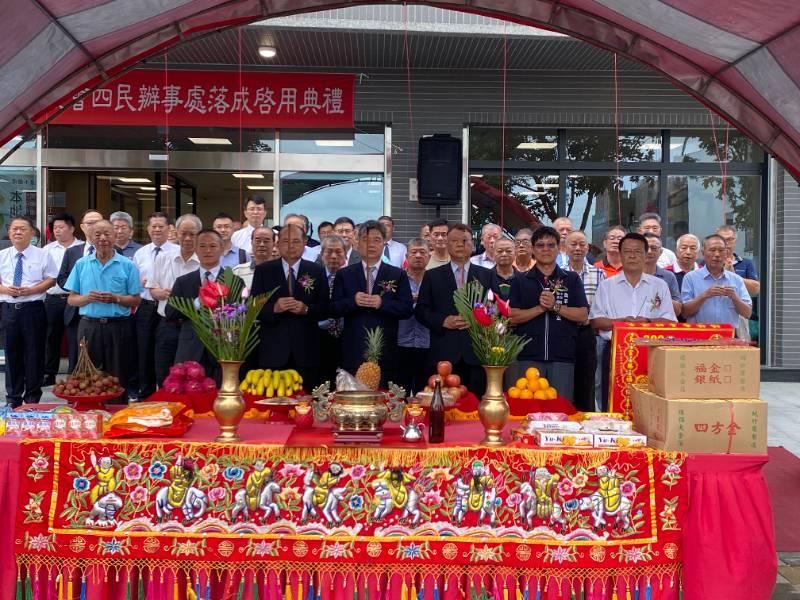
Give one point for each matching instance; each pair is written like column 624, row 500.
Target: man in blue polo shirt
column 547, row 305
column 711, row 294
column 105, row 287
column 743, row 267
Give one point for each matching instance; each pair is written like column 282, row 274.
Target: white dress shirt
column 616, row 298
column 57, row 252
column 145, row 258
column 295, row 268
column 482, row 260
column 167, row 268
column 214, row 271
column 397, row 253
column 37, row 266
column 244, row 238
column 245, row 272
column 667, row 259
column 311, row 254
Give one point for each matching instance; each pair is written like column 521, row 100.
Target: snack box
column 607, row 426
column 553, row 425
column 613, row 439
column 547, row 416
column 563, row 439
column 47, row 424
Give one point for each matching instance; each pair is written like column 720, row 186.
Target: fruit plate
column 84, row 403
column 425, row 399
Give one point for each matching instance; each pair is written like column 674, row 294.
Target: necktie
column 370, row 279
column 91, row 249
column 208, row 277
column 331, row 278
column 290, row 281
column 461, row 277
column 334, row 325
column 156, row 250
column 18, row 270
column 386, row 253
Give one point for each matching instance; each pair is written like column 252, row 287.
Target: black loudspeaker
column 439, row 170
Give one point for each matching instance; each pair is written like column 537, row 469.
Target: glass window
column 528, row 200
column 599, row 146
column 710, row 146
column 699, row 204
column 17, row 195
column 332, row 142
column 328, row 196
column 594, row 204
column 520, row 144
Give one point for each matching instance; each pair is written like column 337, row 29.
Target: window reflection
column 710, row 146
column 520, row 144
column 17, row 195
column 600, row 146
column 528, row 200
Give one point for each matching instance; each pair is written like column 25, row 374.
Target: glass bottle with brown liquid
column 436, row 416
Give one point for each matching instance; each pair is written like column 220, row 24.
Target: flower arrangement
column 488, row 321
column 387, row 287
column 224, row 316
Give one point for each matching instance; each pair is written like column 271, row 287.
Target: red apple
column 444, row 368
column 463, row 389
column 432, row 380
column 455, row 392
column 452, row 380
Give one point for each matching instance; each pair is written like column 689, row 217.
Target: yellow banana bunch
column 269, row 383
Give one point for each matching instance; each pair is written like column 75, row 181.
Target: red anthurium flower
column 208, row 298
column 503, row 306
column 481, row 316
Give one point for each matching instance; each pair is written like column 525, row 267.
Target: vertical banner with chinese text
column 218, row 99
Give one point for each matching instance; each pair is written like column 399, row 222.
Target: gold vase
column 229, row 405
column 493, row 409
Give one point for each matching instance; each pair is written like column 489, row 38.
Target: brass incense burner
column 359, row 410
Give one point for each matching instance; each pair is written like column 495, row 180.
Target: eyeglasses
column 522, row 242
column 545, row 245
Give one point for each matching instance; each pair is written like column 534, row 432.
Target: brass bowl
column 359, row 410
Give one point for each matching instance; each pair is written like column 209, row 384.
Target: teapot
column 412, row 432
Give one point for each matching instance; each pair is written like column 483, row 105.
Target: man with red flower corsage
column 547, row 305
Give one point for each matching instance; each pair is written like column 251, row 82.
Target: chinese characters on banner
column 218, row 99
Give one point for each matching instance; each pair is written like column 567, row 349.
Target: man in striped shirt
column 577, row 247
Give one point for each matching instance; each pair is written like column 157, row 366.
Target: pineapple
column 369, row 372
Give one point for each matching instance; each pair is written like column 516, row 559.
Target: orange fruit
column 551, row 393
column 540, row 395
column 527, row 395
column 521, row 384
column 532, row 373
column 514, row 392
column 543, row 383
column 533, row 385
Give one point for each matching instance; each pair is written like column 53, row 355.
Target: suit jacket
column 71, row 256
column 286, row 336
column 435, row 303
column 395, row 306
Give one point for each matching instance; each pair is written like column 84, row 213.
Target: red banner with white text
column 218, row 99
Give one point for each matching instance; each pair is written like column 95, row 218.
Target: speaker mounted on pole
column 439, row 171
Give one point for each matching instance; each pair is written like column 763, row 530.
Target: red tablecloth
column 729, row 544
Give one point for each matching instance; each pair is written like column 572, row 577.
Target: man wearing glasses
column 611, row 263
column 631, row 296
column 346, row 229
column 523, row 261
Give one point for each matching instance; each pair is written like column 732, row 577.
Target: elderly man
column 651, row 223
column 413, row 338
column 547, row 305
column 62, row 227
column 588, row 346
column 231, row 255
column 368, row 295
column 393, row 251
column 503, row 271
column 262, row 244
column 713, row 294
column 168, row 267
column 632, row 295
column 105, row 286
column 436, row 310
column 743, row 267
column 564, row 226
column 612, row 262
column 26, row 273
column 147, row 316
column 254, row 211
column 332, row 256
column 523, row 261
column 438, row 239
column 289, row 330
column 651, row 268
column 687, row 248
column 122, row 223
column 312, row 250
column 490, row 233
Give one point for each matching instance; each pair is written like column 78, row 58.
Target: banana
column 270, row 392
column 281, row 389
column 276, row 376
column 244, row 386
column 287, row 380
column 260, row 389
column 266, row 377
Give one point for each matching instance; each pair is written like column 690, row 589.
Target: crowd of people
column 113, row 292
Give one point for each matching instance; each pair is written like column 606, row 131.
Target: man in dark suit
column 346, row 229
column 209, row 253
column 289, row 331
column 436, row 309
column 370, row 294
column 71, row 256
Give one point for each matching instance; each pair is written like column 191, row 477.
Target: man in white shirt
column 147, row 316
column 630, row 296
column 55, row 303
column 255, row 209
column 26, row 273
column 490, row 233
column 232, row 255
column 168, row 267
column 651, row 223
column 309, row 252
column 263, row 242
column 394, row 252
column 564, row 226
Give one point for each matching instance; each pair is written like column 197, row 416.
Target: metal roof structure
column 736, row 56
